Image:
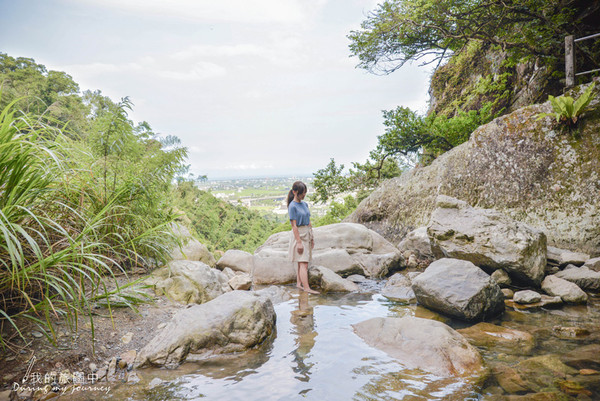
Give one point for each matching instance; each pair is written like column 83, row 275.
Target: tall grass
column 61, row 243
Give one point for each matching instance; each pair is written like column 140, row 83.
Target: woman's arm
column 299, row 243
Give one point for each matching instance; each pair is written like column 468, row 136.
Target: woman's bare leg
column 303, row 274
column 298, row 283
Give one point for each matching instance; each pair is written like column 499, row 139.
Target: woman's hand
column 300, row 248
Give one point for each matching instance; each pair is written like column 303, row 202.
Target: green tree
column 41, row 91
column 399, row 31
column 408, row 138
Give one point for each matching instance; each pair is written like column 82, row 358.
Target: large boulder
column 344, row 248
column 191, row 248
column 567, row 291
column 271, row 266
column 328, row 281
column 488, row 239
column 584, row 277
column 424, row 344
column 237, row 261
column 525, row 167
column 458, row 288
column 189, row 282
column 233, row 322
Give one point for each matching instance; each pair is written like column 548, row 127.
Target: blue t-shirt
column 299, row 211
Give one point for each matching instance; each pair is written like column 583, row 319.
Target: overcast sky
column 251, row 87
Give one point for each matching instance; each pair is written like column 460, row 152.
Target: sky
column 251, row 87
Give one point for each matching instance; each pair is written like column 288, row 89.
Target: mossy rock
column 527, row 168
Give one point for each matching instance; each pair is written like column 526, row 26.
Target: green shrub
column 56, row 252
column 567, row 110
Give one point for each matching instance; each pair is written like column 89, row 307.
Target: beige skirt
column 306, row 235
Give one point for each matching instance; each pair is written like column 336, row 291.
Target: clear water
column 315, row 355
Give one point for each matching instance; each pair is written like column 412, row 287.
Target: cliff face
column 484, row 74
column 530, row 169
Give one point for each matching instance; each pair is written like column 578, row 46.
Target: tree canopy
column 399, row 31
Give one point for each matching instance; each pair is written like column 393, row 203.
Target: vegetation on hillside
column 84, row 195
column 219, row 224
column 488, row 48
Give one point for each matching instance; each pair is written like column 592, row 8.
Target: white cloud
column 216, row 51
column 255, row 11
column 198, row 71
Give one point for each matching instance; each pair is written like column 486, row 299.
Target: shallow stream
column 315, row 355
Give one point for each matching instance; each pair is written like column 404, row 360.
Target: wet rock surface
column 425, row 344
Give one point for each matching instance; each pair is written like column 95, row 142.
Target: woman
column 301, row 241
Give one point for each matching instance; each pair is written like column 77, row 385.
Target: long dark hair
column 299, row 187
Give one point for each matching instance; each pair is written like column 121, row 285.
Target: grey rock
column 425, row 344
column 189, row 281
column 155, row 383
column 229, row 273
column 344, row 248
column 488, row 239
column 458, row 288
column 501, row 278
column 328, row 281
column 526, row 297
column 236, row 260
column 563, row 257
column 593, row 264
column 356, row 278
column 398, row 288
column 272, row 267
column 233, row 322
column 240, row 281
column 191, row 249
column 517, row 164
column 411, row 275
column 584, row 277
column 550, row 301
column 275, row 293
column 566, row 290
column 112, row 369
column 418, row 243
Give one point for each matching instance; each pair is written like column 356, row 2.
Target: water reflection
column 304, row 329
column 341, row 366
